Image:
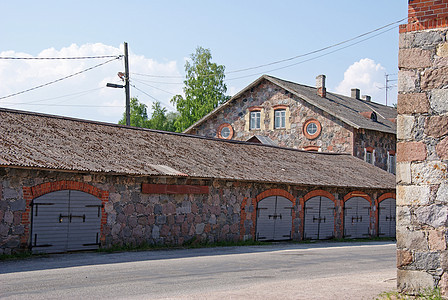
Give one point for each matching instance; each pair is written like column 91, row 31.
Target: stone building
column 69, row 184
column 422, row 150
column 275, row 111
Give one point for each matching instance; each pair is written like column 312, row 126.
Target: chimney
column 366, row 98
column 320, row 85
column 355, row 93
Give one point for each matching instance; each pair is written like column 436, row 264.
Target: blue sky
column 162, row 34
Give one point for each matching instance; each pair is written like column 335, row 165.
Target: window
column 311, row 129
column 255, row 120
column 280, row 118
column 391, row 162
column 369, row 155
column 225, row 131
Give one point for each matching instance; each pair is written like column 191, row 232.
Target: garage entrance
column 65, row 221
column 319, row 218
column 386, row 218
column 356, row 218
column 274, row 219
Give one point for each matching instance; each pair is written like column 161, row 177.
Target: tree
column 204, row 89
column 138, row 114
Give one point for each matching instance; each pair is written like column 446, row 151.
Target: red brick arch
column 377, row 205
column 357, row 194
column 308, row 196
column 30, row 193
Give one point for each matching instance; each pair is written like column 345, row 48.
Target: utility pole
column 125, row 78
column 126, row 85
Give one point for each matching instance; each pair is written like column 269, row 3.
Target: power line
column 60, row 58
column 297, row 56
column 69, row 105
column 60, row 79
column 67, row 95
column 154, row 87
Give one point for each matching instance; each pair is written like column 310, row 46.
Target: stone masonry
column 422, row 149
column 130, row 216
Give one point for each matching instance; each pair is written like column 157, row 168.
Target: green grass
column 19, row 255
column 426, row 294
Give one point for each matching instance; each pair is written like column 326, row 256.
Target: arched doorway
column 274, row 219
column 357, row 218
column 387, row 218
column 319, row 218
column 65, row 220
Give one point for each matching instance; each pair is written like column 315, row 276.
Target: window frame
column 221, row 127
column 255, row 119
column 305, row 127
column 281, row 118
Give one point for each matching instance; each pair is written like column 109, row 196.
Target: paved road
column 280, row 271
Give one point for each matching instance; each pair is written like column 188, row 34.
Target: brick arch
column 310, row 195
column 362, row 195
column 30, row 193
column 254, row 202
column 377, row 205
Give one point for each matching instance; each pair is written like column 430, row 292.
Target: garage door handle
column 61, row 217
column 83, row 217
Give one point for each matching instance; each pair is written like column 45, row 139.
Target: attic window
column 311, row 129
column 225, row 131
column 373, row 117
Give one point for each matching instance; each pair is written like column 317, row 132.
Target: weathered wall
column 382, row 143
column 336, row 136
column 422, row 150
column 226, row 212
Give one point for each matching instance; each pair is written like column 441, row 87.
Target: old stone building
column 69, row 184
column 422, row 211
column 275, row 111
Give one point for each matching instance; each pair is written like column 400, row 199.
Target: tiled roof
column 30, row 140
column 347, row 109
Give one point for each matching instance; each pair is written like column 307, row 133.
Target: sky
column 248, row 37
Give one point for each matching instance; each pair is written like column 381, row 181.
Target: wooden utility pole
column 126, row 85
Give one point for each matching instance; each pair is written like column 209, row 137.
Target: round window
column 311, row 129
column 225, row 131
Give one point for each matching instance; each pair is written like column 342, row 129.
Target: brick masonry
column 225, row 210
column 336, row 136
column 422, row 211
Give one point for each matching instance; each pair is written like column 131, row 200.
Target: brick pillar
column 422, row 150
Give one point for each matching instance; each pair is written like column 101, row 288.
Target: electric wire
column 59, row 58
column 297, row 56
column 58, row 80
column 154, row 87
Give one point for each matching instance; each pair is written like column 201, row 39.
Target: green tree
column 204, row 89
column 160, row 119
column 138, row 114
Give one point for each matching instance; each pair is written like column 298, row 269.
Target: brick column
column 422, row 150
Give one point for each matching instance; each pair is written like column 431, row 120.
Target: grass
column 426, row 294
column 19, row 255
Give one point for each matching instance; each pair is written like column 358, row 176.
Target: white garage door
column 319, row 218
column 274, row 219
column 65, row 221
column 386, row 218
column 356, row 218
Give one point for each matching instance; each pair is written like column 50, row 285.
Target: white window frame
column 280, row 118
column 372, row 156
column 391, row 163
column 255, row 120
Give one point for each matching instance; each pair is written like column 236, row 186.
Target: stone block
column 442, row 50
column 439, row 101
column 429, row 172
column 442, row 149
column 18, row 205
column 412, row 282
column 411, row 240
column 443, row 284
column 411, row 151
column 200, row 228
column 403, row 171
column 436, row 240
column 412, row 103
column 403, row 215
column 436, row 126
column 160, row 220
column 427, row 39
column 155, row 232
column 406, row 40
column 442, row 194
column 407, row 81
column 426, row 260
column 404, row 258
column 404, row 127
column 10, row 193
column 433, row 215
column 414, row 58
column 434, row 78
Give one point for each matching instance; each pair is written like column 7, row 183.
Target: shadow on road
column 75, row 259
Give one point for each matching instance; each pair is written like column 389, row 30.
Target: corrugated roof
column 41, row 141
column 345, row 108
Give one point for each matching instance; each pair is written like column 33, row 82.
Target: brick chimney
column 320, row 85
column 366, row 98
column 356, row 93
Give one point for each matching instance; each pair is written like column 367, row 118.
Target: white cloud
column 87, row 88
column 366, row 75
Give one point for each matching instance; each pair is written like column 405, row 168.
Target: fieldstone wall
column 226, row 212
column 422, row 150
column 336, row 136
column 382, row 142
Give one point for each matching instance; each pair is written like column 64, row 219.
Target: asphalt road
column 279, row 271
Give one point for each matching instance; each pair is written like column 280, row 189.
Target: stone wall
column 383, row 143
column 226, row 212
column 422, row 150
